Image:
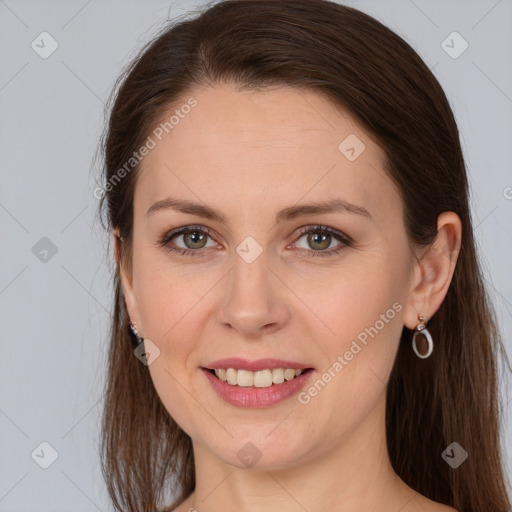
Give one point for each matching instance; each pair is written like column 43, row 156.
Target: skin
column 250, row 154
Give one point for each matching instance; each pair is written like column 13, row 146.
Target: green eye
column 319, row 239
column 194, row 238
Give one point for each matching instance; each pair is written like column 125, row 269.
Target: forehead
column 255, row 151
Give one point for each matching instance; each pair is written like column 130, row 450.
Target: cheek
column 351, row 300
column 170, row 310
column 363, row 313
column 177, row 397
column 169, row 297
column 354, row 380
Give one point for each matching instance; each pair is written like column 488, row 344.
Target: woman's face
column 265, row 282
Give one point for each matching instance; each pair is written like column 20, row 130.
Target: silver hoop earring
column 134, row 334
column 421, row 327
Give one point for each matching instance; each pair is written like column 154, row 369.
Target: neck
column 355, row 474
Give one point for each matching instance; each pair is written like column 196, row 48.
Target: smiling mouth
column 258, row 379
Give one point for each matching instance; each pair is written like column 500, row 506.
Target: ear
column 124, row 265
column 433, row 271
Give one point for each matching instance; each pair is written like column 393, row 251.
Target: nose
column 254, row 301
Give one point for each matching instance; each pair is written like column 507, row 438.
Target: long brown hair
column 367, row 69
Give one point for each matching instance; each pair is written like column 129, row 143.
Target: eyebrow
column 287, row 214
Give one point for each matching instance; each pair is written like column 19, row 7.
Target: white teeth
column 277, row 375
column 263, row 379
column 231, row 376
column 259, row 379
column 289, row 374
column 245, row 378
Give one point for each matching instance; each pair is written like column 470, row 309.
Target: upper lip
column 259, row 364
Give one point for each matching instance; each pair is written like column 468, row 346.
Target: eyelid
column 319, row 227
column 168, row 236
column 345, row 240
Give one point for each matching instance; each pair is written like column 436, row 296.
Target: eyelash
column 317, row 229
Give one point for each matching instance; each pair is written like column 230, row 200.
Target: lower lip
column 257, row 397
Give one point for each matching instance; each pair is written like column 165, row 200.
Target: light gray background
column 54, row 314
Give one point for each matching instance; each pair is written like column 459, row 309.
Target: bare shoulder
column 186, row 506
column 441, row 508
column 418, row 504
column 438, row 507
column 183, row 508
column 427, row 505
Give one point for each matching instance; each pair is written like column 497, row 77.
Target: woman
column 295, row 265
